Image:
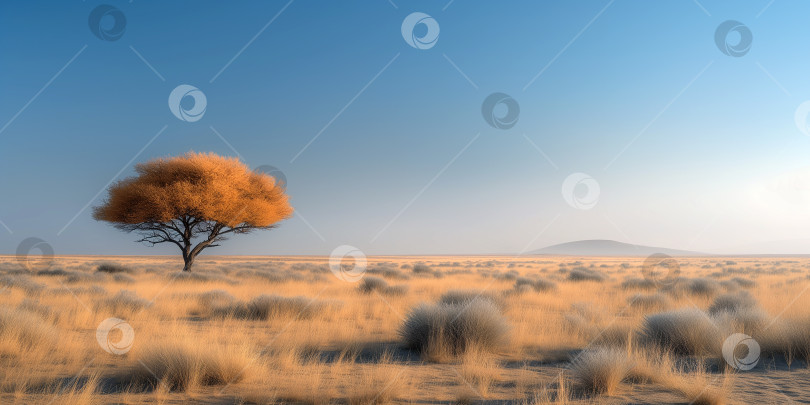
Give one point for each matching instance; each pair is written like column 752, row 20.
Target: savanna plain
column 432, row 329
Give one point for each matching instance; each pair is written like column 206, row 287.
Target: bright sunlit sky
column 691, row 148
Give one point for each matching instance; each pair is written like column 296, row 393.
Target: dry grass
column 266, row 307
column 183, row 366
column 601, row 370
column 688, row 331
column 526, row 330
column 451, row 329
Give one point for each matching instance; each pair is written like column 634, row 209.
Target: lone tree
column 194, row 201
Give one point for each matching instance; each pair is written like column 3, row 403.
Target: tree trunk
column 189, row 261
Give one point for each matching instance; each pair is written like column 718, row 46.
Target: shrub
column 123, row 278
column 648, row 302
column 123, row 302
column 703, row 287
column 113, row 268
column 463, row 297
column 732, row 303
column 199, row 277
column 214, row 298
column 694, row 286
column 372, row 283
column 601, row 370
column 743, row 282
column 749, row 320
column 583, row 274
column 638, row 284
column 687, row 331
column 82, row 277
column 536, row 284
column 272, row 276
column 22, row 282
column 266, row 307
column 180, row 367
column 23, row 330
column 388, row 272
column 52, row 272
column 421, row 269
column 509, row 275
column 91, row 290
column 453, row 329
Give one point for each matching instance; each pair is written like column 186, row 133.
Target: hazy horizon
column 385, row 146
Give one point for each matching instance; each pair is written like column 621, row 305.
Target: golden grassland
column 431, row 329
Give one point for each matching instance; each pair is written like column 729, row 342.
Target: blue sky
column 691, row 148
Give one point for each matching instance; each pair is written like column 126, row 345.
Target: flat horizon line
column 525, row 255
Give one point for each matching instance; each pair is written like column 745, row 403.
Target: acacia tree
column 194, row 201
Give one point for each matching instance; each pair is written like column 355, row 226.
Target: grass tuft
column 442, row 330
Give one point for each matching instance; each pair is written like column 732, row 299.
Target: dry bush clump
column 380, row 386
column 463, row 297
column 214, row 298
column 200, row 277
column 423, row 269
column 743, row 282
column 688, row 331
column 639, row 284
column 732, row 303
column 266, row 307
column 179, row 366
column 538, row 284
column 701, row 287
column 650, row 302
column 601, row 370
column 123, row 278
column 22, row 282
column 583, row 274
column 52, row 272
column 93, row 290
column 444, row 329
column 22, row 331
column 76, row 277
column 371, row 284
column 388, row 272
column 124, row 302
column 271, row 276
column 481, row 370
column 112, row 268
column 749, row 320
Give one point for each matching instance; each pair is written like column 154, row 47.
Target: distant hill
column 601, row 247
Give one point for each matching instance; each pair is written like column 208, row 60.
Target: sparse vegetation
column 688, row 331
column 601, row 370
column 518, row 330
column 179, row 367
column 451, row 329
